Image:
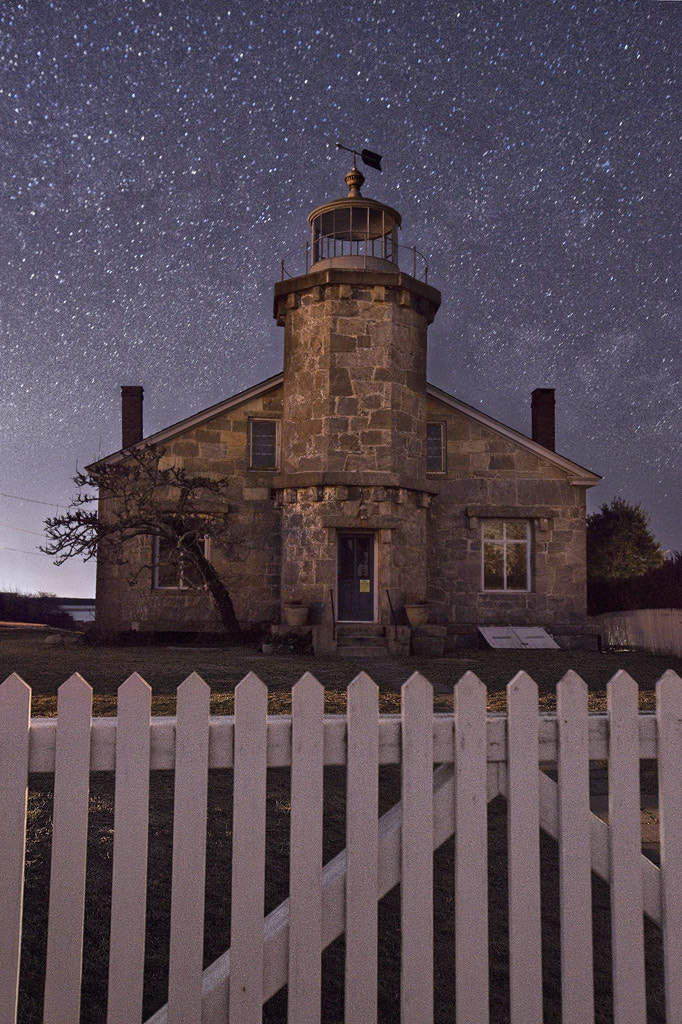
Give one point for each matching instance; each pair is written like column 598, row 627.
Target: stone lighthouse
column 358, row 503
column 352, row 485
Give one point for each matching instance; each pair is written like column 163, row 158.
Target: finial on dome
column 355, row 179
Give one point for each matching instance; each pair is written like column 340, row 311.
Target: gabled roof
column 579, row 475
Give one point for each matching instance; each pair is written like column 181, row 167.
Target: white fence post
column 575, row 882
column 523, row 818
column 471, row 852
column 362, row 851
column 416, row 877
column 248, row 851
column 15, row 712
column 627, row 922
column 669, row 715
column 305, row 856
column 69, row 850
column 186, row 959
column 131, row 828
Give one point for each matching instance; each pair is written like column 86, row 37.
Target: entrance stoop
column 361, row 640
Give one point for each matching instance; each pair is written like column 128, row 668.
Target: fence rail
column 452, row 765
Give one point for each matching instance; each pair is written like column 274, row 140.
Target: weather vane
column 368, row 158
column 355, row 179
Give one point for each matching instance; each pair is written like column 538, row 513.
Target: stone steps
column 360, row 629
column 361, row 640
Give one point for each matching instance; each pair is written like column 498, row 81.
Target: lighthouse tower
column 352, row 488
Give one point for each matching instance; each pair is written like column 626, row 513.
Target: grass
column 44, row 668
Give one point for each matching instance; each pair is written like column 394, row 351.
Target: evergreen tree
column 620, row 545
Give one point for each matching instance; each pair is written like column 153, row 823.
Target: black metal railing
column 390, row 605
column 405, row 257
column 331, row 601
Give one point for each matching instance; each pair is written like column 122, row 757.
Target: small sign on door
column 364, row 586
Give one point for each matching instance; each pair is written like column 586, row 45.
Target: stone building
column 385, row 511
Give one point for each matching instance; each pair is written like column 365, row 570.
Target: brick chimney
column 131, row 415
column 542, row 416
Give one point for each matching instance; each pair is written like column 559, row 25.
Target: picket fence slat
column 669, row 712
column 189, row 851
column 15, row 717
column 523, row 822
column 305, row 858
column 471, row 852
column 362, row 851
column 248, row 851
column 627, row 922
column 64, row 958
column 416, row 881
column 129, row 878
column 575, row 882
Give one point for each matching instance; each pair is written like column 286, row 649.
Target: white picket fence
column 477, row 756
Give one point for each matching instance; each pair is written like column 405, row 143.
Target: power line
column 20, row 552
column 33, row 501
column 19, row 529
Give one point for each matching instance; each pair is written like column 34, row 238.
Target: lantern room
column 354, row 233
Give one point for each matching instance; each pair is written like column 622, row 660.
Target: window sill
column 503, row 593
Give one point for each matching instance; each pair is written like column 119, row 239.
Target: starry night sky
column 159, row 158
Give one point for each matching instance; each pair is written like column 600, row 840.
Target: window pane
column 435, row 462
column 167, row 563
column 493, row 567
column 516, row 529
column 516, row 567
column 173, row 569
column 191, row 577
column 263, row 444
column 492, row 530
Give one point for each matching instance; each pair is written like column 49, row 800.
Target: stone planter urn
column 295, row 613
column 417, row 614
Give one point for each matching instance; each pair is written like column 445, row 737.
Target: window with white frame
column 435, row 447
column 263, row 444
column 505, row 560
column 173, row 570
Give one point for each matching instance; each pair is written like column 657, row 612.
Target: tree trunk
column 220, row 595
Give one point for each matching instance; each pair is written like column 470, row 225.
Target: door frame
column 375, row 590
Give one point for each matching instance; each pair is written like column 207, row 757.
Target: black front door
column 356, row 577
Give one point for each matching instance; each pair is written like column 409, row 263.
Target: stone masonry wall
column 488, row 475
column 249, row 561
column 355, row 378
column 312, row 518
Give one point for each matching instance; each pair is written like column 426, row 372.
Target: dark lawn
column 45, row 667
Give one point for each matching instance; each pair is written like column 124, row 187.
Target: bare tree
column 139, row 497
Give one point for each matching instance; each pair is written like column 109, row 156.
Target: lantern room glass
column 354, row 230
